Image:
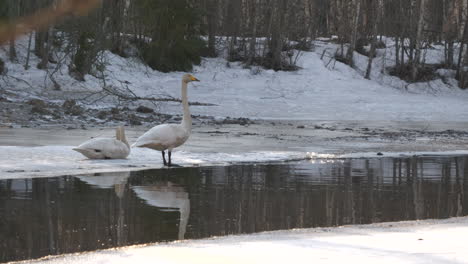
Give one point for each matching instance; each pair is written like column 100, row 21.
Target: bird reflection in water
column 167, row 196
column 116, row 180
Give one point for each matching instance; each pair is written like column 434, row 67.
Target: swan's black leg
column 170, row 154
column 164, row 158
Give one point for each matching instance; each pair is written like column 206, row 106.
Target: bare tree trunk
column 12, row 51
column 418, row 41
column 253, row 27
column 412, row 35
column 450, row 53
column 462, row 45
column 2, row 68
column 212, row 10
column 402, row 55
column 461, row 74
column 39, row 40
column 277, row 35
column 376, row 21
column 352, row 46
column 397, row 52
column 45, row 49
column 28, row 53
column 234, row 9
column 118, row 26
column 449, row 31
column 313, row 20
column 13, row 10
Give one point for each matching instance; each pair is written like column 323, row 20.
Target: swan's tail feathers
column 120, row 135
column 91, row 153
column 137, row 145
column 143, row 144
column 86, row 152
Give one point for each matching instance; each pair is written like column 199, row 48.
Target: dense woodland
column 174, row 34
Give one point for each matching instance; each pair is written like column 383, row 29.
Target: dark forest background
column 173, row 35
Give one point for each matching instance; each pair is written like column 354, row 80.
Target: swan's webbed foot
column 164, row 158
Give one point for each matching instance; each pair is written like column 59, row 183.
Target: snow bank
column 431, row 241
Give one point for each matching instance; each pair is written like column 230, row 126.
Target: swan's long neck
column 120, row 135
column 187, row 119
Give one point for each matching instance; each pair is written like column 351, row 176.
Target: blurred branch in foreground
column 45, row 17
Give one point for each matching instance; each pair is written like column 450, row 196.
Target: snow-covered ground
column 431, row 241
column 319, row 91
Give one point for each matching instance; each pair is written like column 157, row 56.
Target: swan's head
column 189, row 78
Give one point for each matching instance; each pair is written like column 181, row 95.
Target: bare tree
column 211, row 7
column 13, row 10
column 253, row 29
column 449, row 30
column 418, row 40
column 376, row 12
column 354, row 32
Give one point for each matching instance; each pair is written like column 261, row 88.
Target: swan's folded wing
column 162, row 135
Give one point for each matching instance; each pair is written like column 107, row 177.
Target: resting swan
column 106, row 148
column 169, row 136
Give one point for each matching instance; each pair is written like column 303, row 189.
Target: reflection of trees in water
column 118, row 182
column 352, row 192
column 68, row 214
column 65, row 214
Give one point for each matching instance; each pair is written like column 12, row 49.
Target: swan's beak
column 193, row 79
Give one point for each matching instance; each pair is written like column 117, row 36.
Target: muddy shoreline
column 36, row 122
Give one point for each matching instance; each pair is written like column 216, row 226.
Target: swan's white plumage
column 169, row 136
column 106, row 148
column 162, row 137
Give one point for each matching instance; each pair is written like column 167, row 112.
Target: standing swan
column 106, row 148
column 170, row 136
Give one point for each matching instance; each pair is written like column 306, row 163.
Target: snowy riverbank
column 430, row 241
column 318, row 91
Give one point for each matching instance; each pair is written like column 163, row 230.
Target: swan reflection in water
column 166, row 196
column 116, row 180
column 169, row 197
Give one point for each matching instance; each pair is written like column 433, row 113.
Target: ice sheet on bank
column 404, row 242
column 47, row 161
column 403, row 154
column 358, row 155
column 18, row 162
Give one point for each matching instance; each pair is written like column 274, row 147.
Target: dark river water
column 49, row 216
